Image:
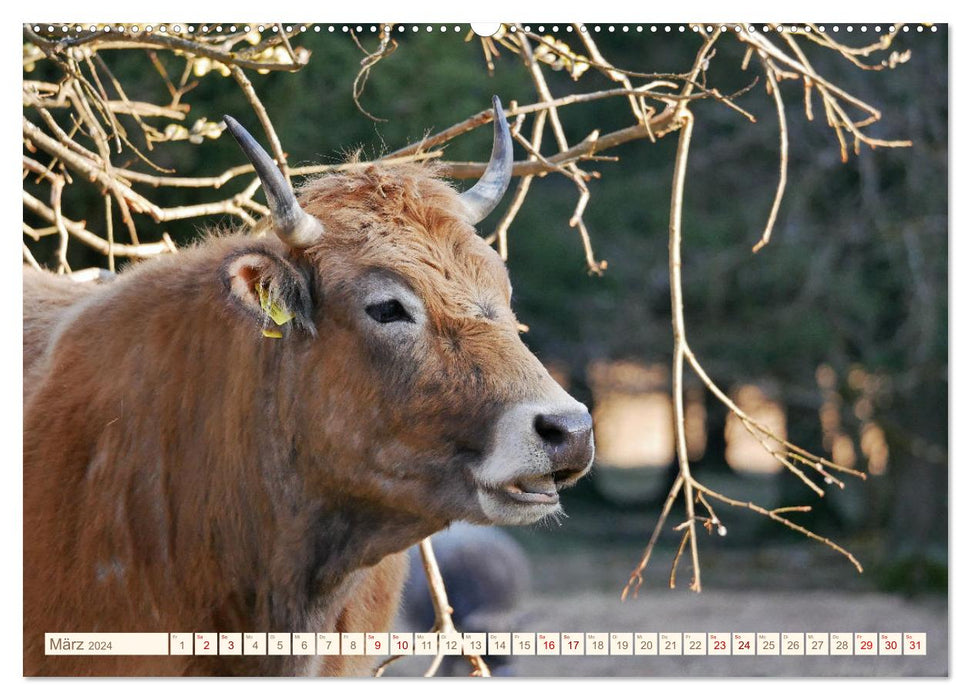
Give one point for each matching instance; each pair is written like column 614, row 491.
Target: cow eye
column 390, row 311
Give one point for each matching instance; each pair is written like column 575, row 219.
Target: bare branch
column 774, row 515
column 783, row 154
column 278, row 155
column 386, row 47
column 77, row 230
column 100, row 41
column 576, row 221
column 641, row 111
column 443, row 611
column 677, row 319
column 660, row 125
column 519, row 196
column 788, row 454
column 636, row 577
column 485, row 116
column 29, row 258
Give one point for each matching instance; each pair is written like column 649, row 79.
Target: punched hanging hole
column 486, row 29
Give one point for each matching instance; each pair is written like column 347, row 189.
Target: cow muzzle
column 537, row 450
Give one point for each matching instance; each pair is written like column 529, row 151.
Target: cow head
column 416, row 390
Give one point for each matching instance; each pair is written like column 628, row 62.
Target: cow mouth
column 519, row 500
column 535, row 490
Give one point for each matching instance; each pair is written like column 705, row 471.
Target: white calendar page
column 813, row 239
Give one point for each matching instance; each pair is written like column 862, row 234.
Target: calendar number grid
column 768, row 644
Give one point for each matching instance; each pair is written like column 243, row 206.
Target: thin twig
column 685, row 538
column 783, row 154
column 522, row 188
column 29, row 258
column 774, row 515
column 851, row 53
column 386, row 47
column 699, row 370
column 109, row 227
column 594, row 266
column 640, row 110
column 285, row 40
column 278, row 155
column 636, row 577
column 443, row 611
column 383, row 666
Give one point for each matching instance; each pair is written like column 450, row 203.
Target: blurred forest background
column 836, row 332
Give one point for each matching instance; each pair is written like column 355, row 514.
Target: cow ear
column 271, row 291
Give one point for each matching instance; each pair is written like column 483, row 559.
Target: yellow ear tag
column 276, row 311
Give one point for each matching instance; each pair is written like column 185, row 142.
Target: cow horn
column 483, row 197
column 293, row 225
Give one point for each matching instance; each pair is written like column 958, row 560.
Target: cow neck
column 320, row 545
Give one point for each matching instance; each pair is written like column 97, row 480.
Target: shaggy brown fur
column 184, row 473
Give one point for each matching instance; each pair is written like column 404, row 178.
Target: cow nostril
column 550, row 429
column 567, row 439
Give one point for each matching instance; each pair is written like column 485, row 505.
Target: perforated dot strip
column 78, row 29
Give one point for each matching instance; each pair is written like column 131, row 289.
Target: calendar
column 483, row 348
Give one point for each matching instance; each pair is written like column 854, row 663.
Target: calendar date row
column 493, row 643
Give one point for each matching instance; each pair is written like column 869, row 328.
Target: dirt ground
column 579, row 567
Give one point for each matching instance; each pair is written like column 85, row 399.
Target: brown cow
column 244, row 437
